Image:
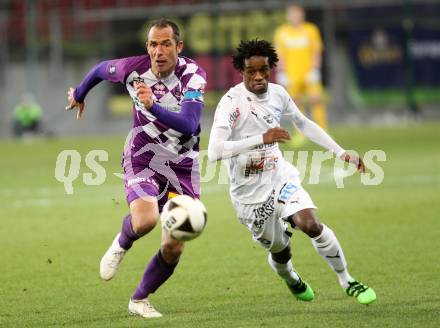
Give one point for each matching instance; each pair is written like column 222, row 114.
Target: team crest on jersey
column 233, row 117
column 159, row 89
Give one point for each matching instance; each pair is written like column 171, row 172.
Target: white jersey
column 255, row 171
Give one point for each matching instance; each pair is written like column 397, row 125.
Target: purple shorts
column 141, row 181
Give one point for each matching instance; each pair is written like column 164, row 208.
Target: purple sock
column 157, row 272
column 128, row 236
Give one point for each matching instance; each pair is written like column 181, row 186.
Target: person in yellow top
column 299, row 47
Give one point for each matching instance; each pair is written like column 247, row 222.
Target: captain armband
column 193, row 95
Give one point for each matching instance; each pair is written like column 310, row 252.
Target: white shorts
column 266, row 220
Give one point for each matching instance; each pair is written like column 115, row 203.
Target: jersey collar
column 258, row 98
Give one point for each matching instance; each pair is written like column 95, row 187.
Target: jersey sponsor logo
column 265, row 242
column 278, row 113
column 265, row 146
column 138, row 80
column 286, row 192
column 268, row 118
column 135, row 181
column 233, row 117
column 112, row 69
column 264, row 212
column 138, row 180
column 260, row 164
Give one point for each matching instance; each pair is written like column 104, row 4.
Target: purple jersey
column 154, row 152
column 150, row 135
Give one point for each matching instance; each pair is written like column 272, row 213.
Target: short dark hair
column 256, row 47
column 163, row 23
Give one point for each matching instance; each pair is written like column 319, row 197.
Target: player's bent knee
column 143, row 224
column 313, row 228
column 308, row 223
column 144, row 216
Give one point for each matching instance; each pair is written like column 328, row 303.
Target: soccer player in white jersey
column 159, row 158
column 265, row 189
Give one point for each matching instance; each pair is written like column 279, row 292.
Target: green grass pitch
column 51, row 244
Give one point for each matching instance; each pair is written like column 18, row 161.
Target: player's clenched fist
column 144, row 94
column 275, row 135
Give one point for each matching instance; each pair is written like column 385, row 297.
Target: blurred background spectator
column 27, row 117
column 299, row 47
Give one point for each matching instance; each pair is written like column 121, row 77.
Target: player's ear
column 179, row 47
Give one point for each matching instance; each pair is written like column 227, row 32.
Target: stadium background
column 47, row 45
column 382, row 95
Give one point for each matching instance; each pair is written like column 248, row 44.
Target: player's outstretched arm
column 310, row 129
column 75, row 97
column 72, row 103
column 316, row 134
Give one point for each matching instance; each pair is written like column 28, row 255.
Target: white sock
column 284, row 270
column 327, row 245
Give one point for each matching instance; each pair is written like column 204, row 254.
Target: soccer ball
column 184, row 217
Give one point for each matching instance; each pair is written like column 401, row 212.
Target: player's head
column 163, row 46
column 295, row 14
column 255, row 59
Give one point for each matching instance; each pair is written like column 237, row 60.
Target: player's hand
column 74, row 104
column 355, row 160
column 275, row 135
column 144, row 94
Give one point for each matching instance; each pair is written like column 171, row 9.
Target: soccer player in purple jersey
column 160, row 155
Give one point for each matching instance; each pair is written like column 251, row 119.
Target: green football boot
column 302, row 291
column 364, row 294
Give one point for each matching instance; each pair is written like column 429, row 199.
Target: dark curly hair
column 256, row 47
